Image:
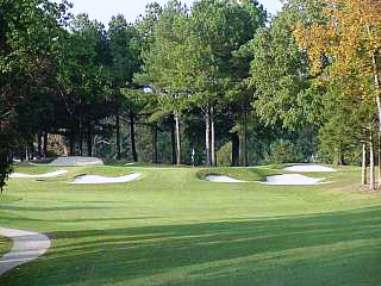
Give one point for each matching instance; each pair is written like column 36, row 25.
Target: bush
column 284, row 151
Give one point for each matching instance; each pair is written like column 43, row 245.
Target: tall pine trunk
column 81, row 134
column 377, row 85
column 133, row 143
column 235, row 149
column 39, row 144
column 213, row 138
column 45, row 145
column 89, row 140
column 26, row 153
column 244, row 139
column 364, row 177
column 72, row 142
column 178, row 139
column 117, row 127
column 154, row 145
column 371, row 164
column 207, row 138
column 379, row 160
column 173, row 140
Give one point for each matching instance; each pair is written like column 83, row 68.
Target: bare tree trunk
column 377, row 85
column 235, row 149
column 89, row 140
column 81, row 140
column 72, row 142
column 213, row 138
column 133, row 143
column 154, row 144
column 26, row 153
column 117, row 126
column 81, row 133
column 244, row 140
column 364, row 177
column 178, row 139
column 173, row 140
column 39, row 145
column 339, row 160
column 207, row 138
column 371, row 164
column 379, row 160
column 45, row 146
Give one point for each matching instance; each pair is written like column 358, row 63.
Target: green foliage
column 285, row 151
column 224, row 155
column 280, row 75
column 29, row 51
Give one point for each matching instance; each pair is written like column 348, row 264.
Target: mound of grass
column 34, row 169
column 5, row 245
column 244, row 174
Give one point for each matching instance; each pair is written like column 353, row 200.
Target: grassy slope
column 170, row 228
column 250, row 174
column 5, row 245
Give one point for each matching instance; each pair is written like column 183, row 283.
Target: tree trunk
column 26, row 153
column 133, row 143
column 235, row 149
column 207, row 138
column 213, row 138
column 377, row 86
column 81, row 131
column 371, row 165
column 154, row 144
column 117, row 123
column 379, row 160
column 45, row 147
column 81, row 138
column 89, row 140
column 339, row 160
column 72, row 142
column 178, row 140
column 364, row 177
column 39, row 145
column 244, row 140
column 173, row 140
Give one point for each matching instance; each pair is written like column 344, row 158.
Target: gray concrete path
column 27, row 246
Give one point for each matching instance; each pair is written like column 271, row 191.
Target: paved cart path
column 27, row 246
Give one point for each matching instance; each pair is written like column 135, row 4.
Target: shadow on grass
column 342, row 248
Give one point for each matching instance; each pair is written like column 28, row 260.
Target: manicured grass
column 246, row 174
column 5, row 245
column 171, row 228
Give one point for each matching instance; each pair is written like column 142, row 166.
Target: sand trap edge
column 105, row 180
column 222, row 179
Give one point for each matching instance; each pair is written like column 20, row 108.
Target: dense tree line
column 218, row 83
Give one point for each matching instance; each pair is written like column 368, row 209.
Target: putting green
column 171, row 228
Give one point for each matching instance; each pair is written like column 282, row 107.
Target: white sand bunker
column 306, row 168
column 40, row 176
column 222, row 179
column 77, row 161
column 292, row 179
column 95, row 179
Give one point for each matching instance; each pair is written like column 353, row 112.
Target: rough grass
column 171, row 228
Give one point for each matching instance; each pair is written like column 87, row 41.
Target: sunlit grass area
column 173, row 228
